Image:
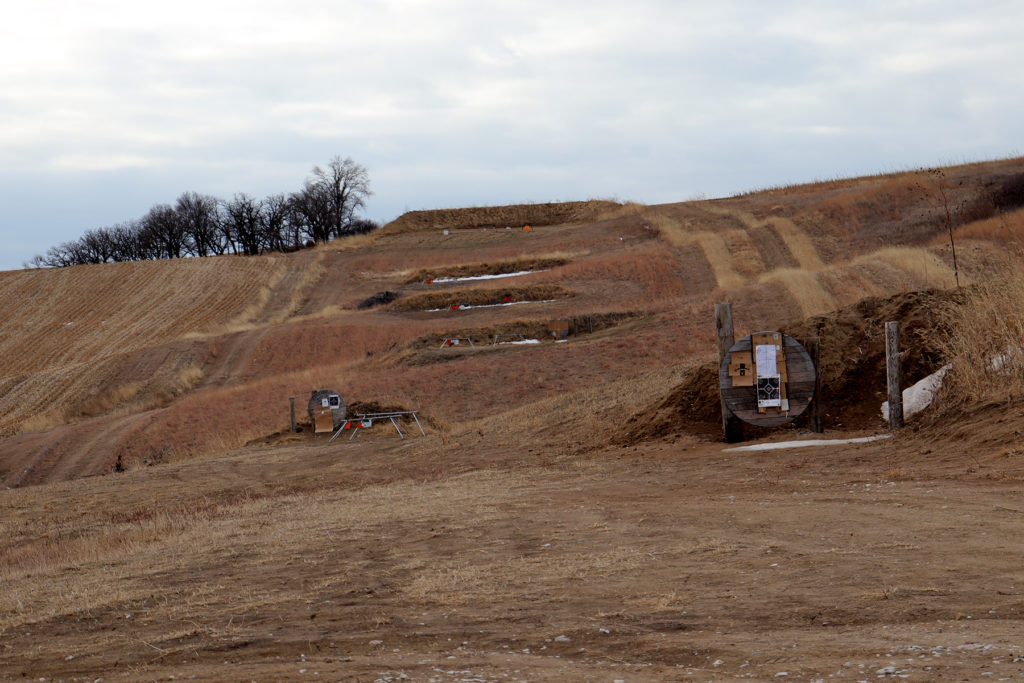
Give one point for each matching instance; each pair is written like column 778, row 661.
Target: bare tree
column 242, row 223
column 277, row 232
column 334, row 193
column 162, row 227
column 347, row 186
column 199, row 215
column 202, row 225
column 310, row 212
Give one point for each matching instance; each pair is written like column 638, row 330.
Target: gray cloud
column 109, row 109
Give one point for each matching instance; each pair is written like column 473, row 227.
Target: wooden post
column 892, row 374
column 817, row 405
column 291, row 403
column 731, row 425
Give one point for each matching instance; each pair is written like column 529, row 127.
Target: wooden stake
column 892, row 374
column 731, row 425
column 817, row 407
column 291, row 403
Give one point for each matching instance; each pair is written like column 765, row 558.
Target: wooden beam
column 291, row 405
column 892, row 374
column 813, row 347
column 732, row 426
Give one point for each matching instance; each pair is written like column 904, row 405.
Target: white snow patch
column 1006, row 361
column 522, row 341
column 802, row 444
column 466, row 307
column 467, row 278
column 919, row 396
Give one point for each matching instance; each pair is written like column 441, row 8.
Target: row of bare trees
column 201, row 225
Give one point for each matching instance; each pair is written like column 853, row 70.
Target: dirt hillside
column 570, row 512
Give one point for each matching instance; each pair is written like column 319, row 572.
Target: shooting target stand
column 767, row 379
column 366, row 420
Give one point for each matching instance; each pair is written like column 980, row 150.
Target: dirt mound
column 496, row 268
column 852, row 367
column 530, row 329
column 692, row 407
column 378, row 299
column 516, row 215
column 480, row 297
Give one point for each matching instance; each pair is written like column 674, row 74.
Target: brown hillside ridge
column 500, row 217
column 572, row 512
column 130, row 358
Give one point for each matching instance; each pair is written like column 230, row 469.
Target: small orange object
column 455, row 307
column 526, row 227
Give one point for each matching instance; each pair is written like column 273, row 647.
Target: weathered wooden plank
column 732, row 428
column 892, row 374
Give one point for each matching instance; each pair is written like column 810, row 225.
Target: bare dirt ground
column 376, row 559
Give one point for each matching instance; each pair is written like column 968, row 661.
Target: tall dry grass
column 1005, row 229
column 985, row 340
column 805, row 287
column 725, row 251
column 919, row 268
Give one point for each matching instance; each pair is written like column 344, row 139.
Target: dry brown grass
column 1006, row 229
column 920, row 268
column 594, row 413
column 798, row 242
column 66, row 326
column 717, row 253
column 643, row 276
column 804, row 287
column 515, row 215
column 985, row 342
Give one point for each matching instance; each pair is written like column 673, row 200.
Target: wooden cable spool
column 783, row 390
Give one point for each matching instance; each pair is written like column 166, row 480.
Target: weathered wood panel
column 740, row 396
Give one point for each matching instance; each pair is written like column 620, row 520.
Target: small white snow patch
column 466, row 307
column 467, row 278
column 803, row 444
column 919, row 396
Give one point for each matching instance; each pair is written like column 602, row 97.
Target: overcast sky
column 110, row 107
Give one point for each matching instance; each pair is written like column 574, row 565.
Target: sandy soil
column 381, row 559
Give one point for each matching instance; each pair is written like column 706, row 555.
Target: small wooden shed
column 327, row 410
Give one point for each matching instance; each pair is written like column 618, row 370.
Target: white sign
column 766, row 365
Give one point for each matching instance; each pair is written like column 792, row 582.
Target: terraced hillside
column 571, row 512
column 155, row 361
